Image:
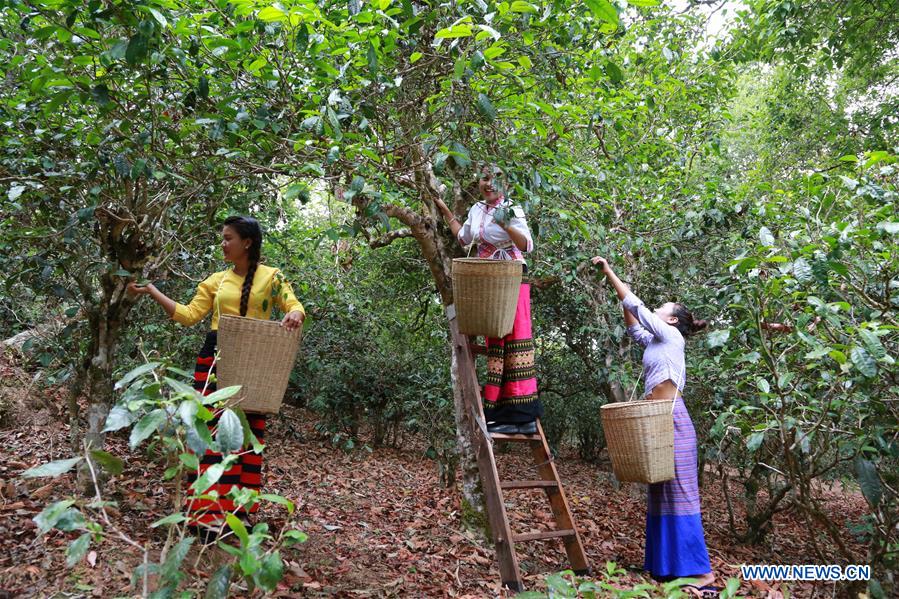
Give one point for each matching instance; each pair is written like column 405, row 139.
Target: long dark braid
column 247, row 228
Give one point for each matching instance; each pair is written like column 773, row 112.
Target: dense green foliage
column 753, row 179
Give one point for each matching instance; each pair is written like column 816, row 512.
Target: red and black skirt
column 245, row 473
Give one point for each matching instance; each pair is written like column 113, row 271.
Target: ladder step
column 546, row 534
column 534, row 438
column 529, row 484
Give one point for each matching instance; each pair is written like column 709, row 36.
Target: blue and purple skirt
column 675, row 542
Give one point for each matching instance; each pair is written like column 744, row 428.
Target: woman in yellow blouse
column 245, row 290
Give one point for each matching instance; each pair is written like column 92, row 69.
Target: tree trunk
column 474, row 514
column 438, row 252
column 106, row 322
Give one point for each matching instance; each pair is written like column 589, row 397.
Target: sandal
column 706, row 591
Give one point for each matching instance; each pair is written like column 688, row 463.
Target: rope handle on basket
column 673, row 399
column 636, row 385
column 218, row 292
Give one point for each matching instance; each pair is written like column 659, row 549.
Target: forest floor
column 378, row 522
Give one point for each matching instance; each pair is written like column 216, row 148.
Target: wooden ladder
column 503, row 537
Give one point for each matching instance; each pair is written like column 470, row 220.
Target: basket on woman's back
column 640, row 439
column 258, row 355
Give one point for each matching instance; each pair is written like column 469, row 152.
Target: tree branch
column 388, row 238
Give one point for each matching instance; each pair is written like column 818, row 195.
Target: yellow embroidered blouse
column 268, row 290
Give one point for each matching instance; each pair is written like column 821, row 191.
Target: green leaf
column 415, row 57
column 170, row 519
column 614, row 73
column 372, row 59
column 170, row 568
column 763, row 385
column 294, row 537
column 187, row 411
column 249, row 439
column 108, row 462
column 181, row 388
column 485, row 107
column 271, row 14
column 219, row 584
column 54, row 468
column 802, row 270
column 14, row 192
column 872, row 344
column 239, row 529
column 248, row 563
column 717, row 338
column 190, row 461
column 477, row 60
column 279, row 500
column 208, row 478
column 146, row 427
column 849, row 182
column 490, row 31
column 196, row 441
column 766, row 237
column 460, row 155
column 335, row 124
column 271, row 572
column 868, row 481
column 137, row 49
column 133, row 374
column 863, row 361
column 603, row 9
column 229, row 434
column 77, row 548
column 100, row 94
column 521, row 6
column 297, row 191
column 158, row 16
column 312, row 123
column 51, row 514
column 456, row 31
column 755, row 441
column 643, row 3
column 221, row 394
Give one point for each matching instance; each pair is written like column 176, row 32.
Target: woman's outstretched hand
column 135, row 289
column 602, row 263
column 293, row 320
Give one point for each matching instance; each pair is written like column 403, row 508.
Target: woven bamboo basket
column 640, row 438
column 486, row 295
column 258, row 355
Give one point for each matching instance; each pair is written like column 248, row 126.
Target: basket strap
column 636, row 385
column 674, row 399
column 218, row 292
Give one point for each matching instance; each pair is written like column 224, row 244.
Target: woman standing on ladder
column 500, row 232
column 246, row 289
column 675, row 542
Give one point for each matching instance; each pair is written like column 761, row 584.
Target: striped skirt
column 245, row 473
column 510, row 393
column 675, row 542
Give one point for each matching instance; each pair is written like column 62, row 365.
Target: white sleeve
column 520, row 224
column 648, row 319
column 465, row 234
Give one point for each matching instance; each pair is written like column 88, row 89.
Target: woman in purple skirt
column 675, row 542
